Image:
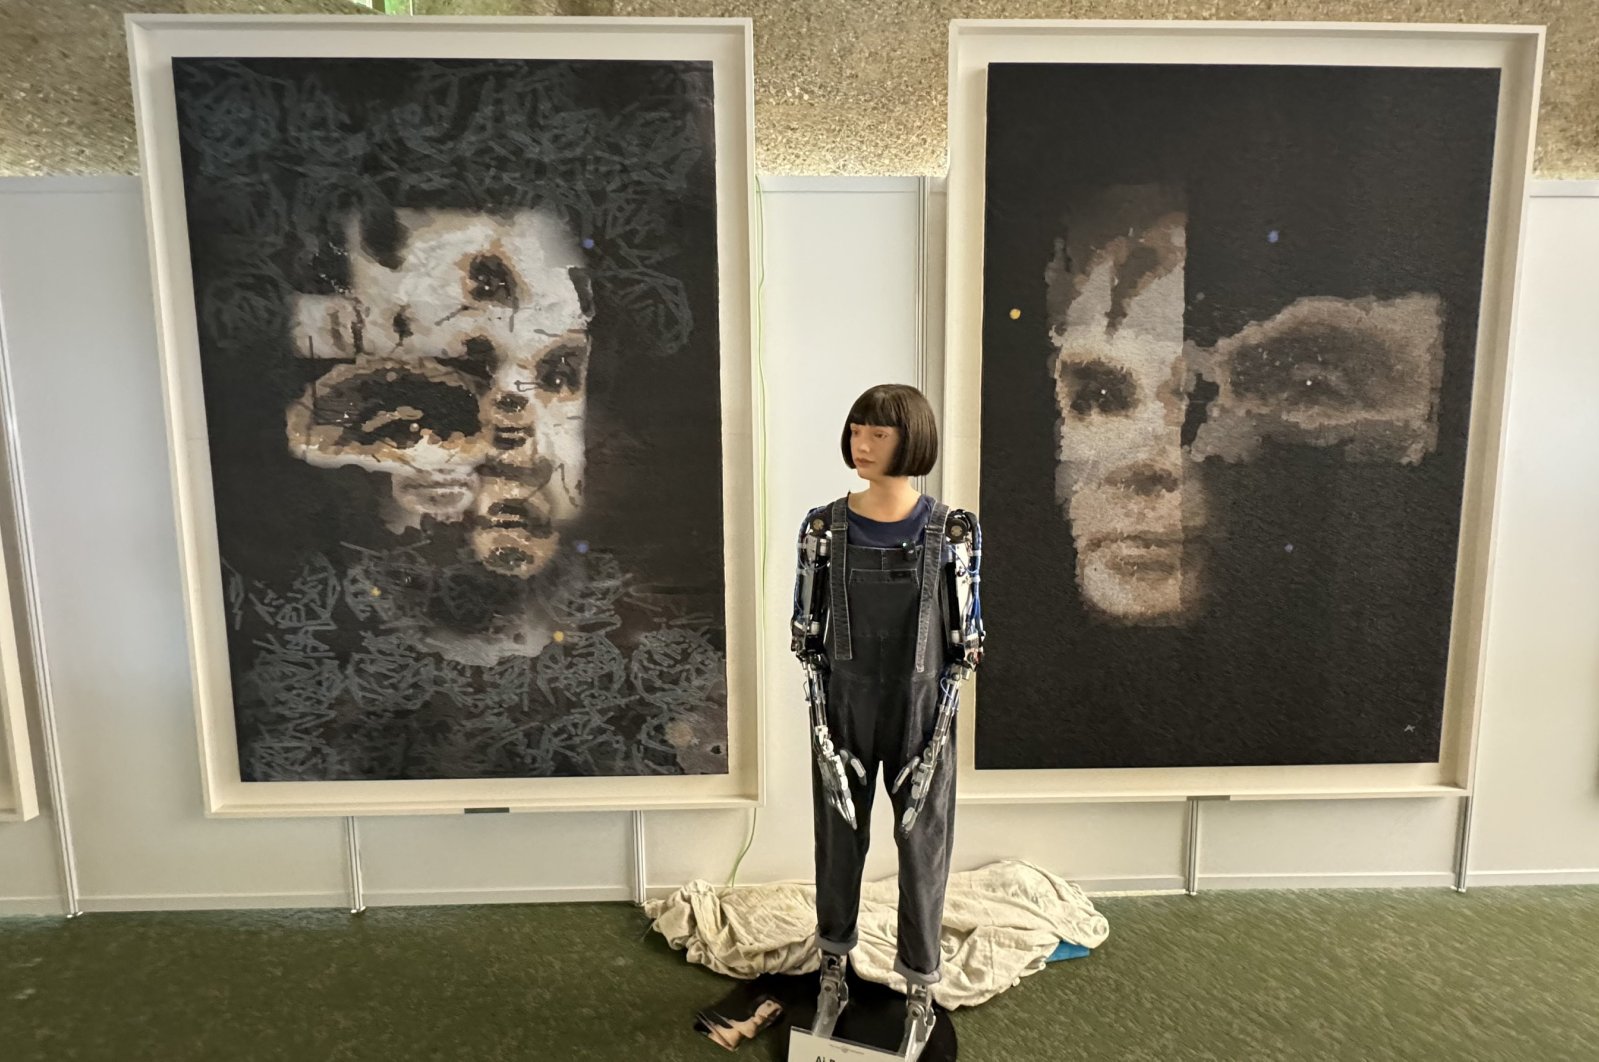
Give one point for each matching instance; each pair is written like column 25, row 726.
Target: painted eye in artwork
column 561, row 370
column 489, row 279
column 1094, row 387
column 1313, row 367
column 558, row 377
column 397, row 406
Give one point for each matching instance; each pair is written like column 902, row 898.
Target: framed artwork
column 455, row 332
column 18, row 798
column 1229, row 309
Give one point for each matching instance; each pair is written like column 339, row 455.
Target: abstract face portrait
column 474, row 421
column 453, row 315
column 1141, row 409
column 1115, row 298
column 1229, row 337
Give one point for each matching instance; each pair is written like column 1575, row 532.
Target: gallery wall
column 851, row 293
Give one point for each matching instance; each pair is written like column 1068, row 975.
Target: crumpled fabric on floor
column 1001, row 923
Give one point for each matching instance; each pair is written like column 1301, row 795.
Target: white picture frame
column 19, row 799
column 154, row 41
column 1517, row 52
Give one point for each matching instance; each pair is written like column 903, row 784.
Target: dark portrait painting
column 1229, row 335
column 458, row 329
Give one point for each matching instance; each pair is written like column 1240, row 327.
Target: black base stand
column 875, row 1016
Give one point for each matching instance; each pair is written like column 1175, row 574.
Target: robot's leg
column 919, row 1019
column 834, row 996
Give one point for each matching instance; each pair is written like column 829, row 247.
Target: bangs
column 881, row 407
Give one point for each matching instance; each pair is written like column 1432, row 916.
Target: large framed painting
column 455, row 325
column 1228, row 325
column 19, row 799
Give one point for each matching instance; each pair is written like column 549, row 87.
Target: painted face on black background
column 1140, row 408
column 1135, row 506
column 461, row 374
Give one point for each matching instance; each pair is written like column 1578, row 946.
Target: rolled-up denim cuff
column 835, row 947
column 916, row 977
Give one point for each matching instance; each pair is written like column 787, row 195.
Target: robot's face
column 1120, row 390
column 459, row 371
column 872, row 446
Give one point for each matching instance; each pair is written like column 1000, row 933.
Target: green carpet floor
column 1352, row 975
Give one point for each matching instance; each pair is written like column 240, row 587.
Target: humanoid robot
column 885, row 636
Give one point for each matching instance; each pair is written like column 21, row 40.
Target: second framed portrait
column 1229, row 311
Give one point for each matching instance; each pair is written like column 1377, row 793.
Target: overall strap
column 838, row 581
column 932, row 568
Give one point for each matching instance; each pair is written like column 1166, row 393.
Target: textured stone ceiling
column 840, row 87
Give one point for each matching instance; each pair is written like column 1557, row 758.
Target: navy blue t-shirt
column 883, row 534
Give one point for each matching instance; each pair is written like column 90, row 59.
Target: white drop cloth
column 1000, row 923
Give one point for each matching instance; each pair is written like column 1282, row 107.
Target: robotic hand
column 922, row 766
column 830, row 761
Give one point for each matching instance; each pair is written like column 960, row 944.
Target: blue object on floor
column 1068, row 950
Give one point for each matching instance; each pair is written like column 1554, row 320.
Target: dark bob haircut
column 897, row 406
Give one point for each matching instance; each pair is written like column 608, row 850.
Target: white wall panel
column 841, row 312
column 1537, row 812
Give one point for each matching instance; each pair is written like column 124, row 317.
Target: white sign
column 803, row 1047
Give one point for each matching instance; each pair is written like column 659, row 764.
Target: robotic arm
column 963, row 555
column 808, row 641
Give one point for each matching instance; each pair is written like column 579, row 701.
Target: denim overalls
column 887, row 629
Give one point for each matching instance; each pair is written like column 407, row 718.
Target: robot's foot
column 919, row 1020
column 834, row 995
